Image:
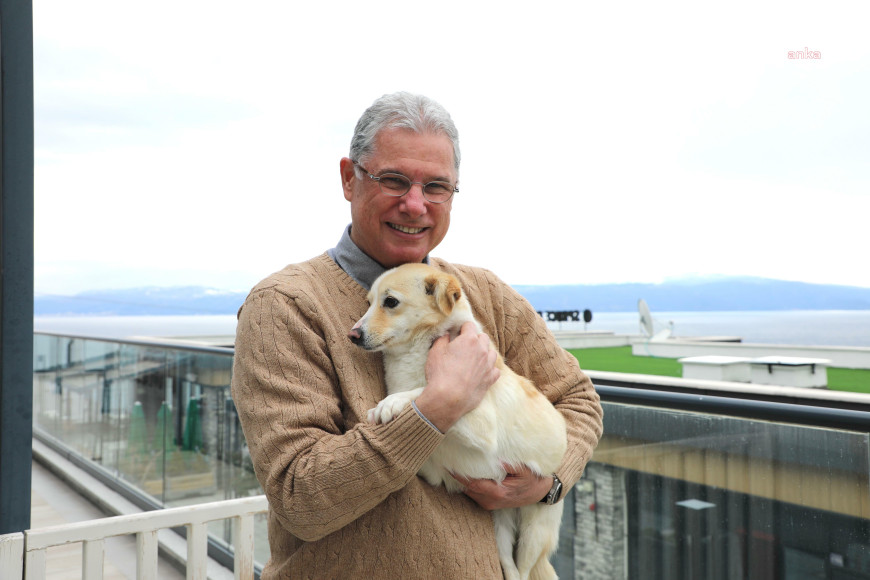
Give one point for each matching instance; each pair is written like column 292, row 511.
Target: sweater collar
column 356, row 263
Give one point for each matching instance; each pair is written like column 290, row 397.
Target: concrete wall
column 854, row 357
column 600, row 510
column 575, row 339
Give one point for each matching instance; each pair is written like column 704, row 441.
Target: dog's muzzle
column 357, row 337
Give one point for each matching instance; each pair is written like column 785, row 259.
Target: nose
column 356, row 336
column 413, row 202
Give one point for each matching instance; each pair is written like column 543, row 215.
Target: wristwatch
column 555, row 492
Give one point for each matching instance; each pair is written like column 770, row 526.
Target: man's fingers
column 474, row 485
column 463, row 480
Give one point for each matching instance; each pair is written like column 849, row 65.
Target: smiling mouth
column 405, row 229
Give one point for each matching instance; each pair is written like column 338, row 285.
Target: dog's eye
column 390, row 302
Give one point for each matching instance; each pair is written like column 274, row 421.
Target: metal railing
column 23, row 554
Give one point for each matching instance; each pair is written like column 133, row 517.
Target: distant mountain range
column 177, row 300
column 700, row 295
column 688, row 295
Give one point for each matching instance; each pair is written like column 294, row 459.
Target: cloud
column 181, row 142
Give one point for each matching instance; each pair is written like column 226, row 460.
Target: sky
column 187, row 142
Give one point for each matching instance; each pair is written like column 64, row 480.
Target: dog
column 410, row 307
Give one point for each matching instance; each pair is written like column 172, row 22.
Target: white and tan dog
column 413, row 305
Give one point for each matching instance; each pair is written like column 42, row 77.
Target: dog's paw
column 389, row 408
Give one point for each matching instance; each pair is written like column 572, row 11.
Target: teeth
column 406, row 229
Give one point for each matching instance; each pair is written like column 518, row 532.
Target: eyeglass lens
column 396, row 185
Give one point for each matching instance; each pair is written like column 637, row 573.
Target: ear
column 445, row 289
column 348, row 177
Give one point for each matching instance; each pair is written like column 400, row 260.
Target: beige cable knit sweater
column 345, row 501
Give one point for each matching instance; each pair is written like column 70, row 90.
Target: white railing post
column 197, row 551
column 243, row 547
column 146, row 555
column 34, row 564
column 93, row 555
column 12, row 554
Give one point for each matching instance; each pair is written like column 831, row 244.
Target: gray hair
column 402, row 111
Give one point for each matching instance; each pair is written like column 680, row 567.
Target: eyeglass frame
column 377, row 179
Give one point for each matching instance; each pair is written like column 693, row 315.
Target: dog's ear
column 445, row 289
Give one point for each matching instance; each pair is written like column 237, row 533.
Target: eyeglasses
column 397, row 185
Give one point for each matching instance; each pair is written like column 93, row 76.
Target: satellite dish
column 646, row 321
column 661, row 335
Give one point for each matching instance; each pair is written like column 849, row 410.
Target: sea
column 801, row 327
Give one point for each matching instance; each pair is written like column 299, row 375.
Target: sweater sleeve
column 317, row 474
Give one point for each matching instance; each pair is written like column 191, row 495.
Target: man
column 344, row 498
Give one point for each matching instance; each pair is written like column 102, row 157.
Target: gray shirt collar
column 355, row 262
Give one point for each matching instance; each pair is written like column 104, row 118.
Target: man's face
column 397, row 230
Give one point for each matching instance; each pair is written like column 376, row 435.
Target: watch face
column 555, row 491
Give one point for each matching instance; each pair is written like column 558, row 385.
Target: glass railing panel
column 156, row 418
column 669, row 494
column 46, row 409
column 69, row 381
column 147, row 417
column 672, row 494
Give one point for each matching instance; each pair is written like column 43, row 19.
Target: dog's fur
column 413, row 305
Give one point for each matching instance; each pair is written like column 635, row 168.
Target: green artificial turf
column 855, row 380
column 620, row 360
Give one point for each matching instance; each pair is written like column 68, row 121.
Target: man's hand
column 521, row 487
column 458, row 374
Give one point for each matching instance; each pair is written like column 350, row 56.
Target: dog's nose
column 356, row 336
